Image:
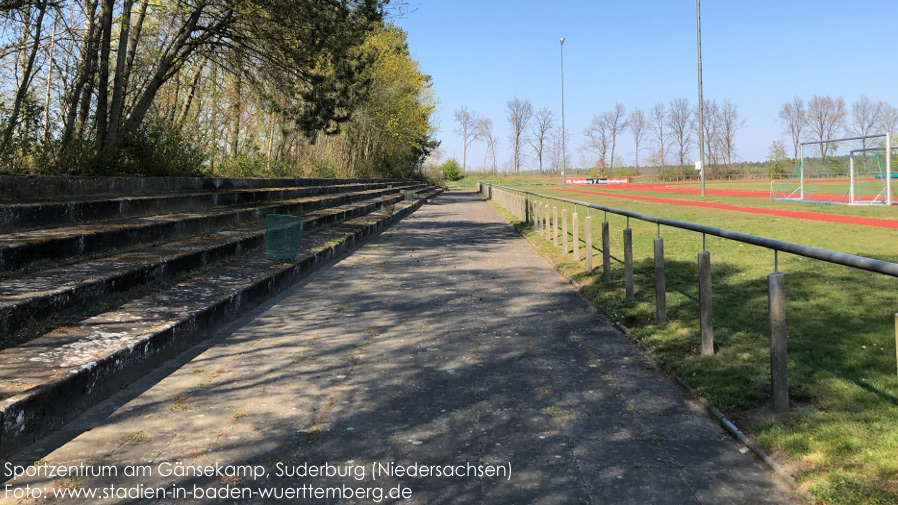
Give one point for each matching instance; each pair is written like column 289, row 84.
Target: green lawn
column 842, row 435
column 833, row 188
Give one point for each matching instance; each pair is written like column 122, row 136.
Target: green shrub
column 324, row 168
column 242, row 166
column 452, row 170
column 777, row 162
column 157, row 149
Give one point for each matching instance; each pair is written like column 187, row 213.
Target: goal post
column 889, row 168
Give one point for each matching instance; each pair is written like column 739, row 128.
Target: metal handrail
column 844, row 259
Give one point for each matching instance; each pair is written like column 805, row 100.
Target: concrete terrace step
column 26, row 298
column 54, row 377
column 19, row 250
column 18, row 188
column 46, row 214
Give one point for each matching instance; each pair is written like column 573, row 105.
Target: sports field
column 781, row 212
column 823, row 190
column 841, row 438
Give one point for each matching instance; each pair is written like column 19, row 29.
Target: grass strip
column 840, row 439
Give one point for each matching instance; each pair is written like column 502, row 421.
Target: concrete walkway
column 446, row 345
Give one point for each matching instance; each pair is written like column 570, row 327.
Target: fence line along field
column 840, row 438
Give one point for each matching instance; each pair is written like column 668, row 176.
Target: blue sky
column 757, row 54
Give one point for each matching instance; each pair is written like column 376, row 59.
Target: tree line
column 534, row 129
column 231, row 87
column 825, row 117
column 665, row 136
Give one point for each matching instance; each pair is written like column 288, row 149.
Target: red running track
column 668, row 188
column 796, row 214
column 672, row 188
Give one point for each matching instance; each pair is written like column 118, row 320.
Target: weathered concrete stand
column 98, row 291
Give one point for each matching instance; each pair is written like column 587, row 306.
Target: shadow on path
column 446, row 343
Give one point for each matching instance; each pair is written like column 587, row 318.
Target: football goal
column 848, row 171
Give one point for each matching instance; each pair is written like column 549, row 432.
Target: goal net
column 849, row 171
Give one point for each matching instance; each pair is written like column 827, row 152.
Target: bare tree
column 617, row 122
column 658, row 121
column 118, row 87
column 49, row 81
column 679, row 121
column 191, row 35
column 106, row 21
column 467, row 128
column 555, row 147
column 826, row 120
column 794, row 117
column 712, row 131
column 544, row 121
column 519, row 114
column 559, row 153
column 485, row 132
column 638, row 127
column 80, row 92
column 889, row 121
column 730, row 123
column 866, row 118
column 27, row 74
column 598, row 140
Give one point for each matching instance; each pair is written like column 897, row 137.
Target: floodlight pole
column 701, row 103
column 563, row 150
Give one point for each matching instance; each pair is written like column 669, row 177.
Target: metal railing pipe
column 837, row 258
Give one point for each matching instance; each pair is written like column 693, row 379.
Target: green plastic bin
column 282, row 236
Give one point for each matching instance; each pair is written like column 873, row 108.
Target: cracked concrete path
column 446, row 344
